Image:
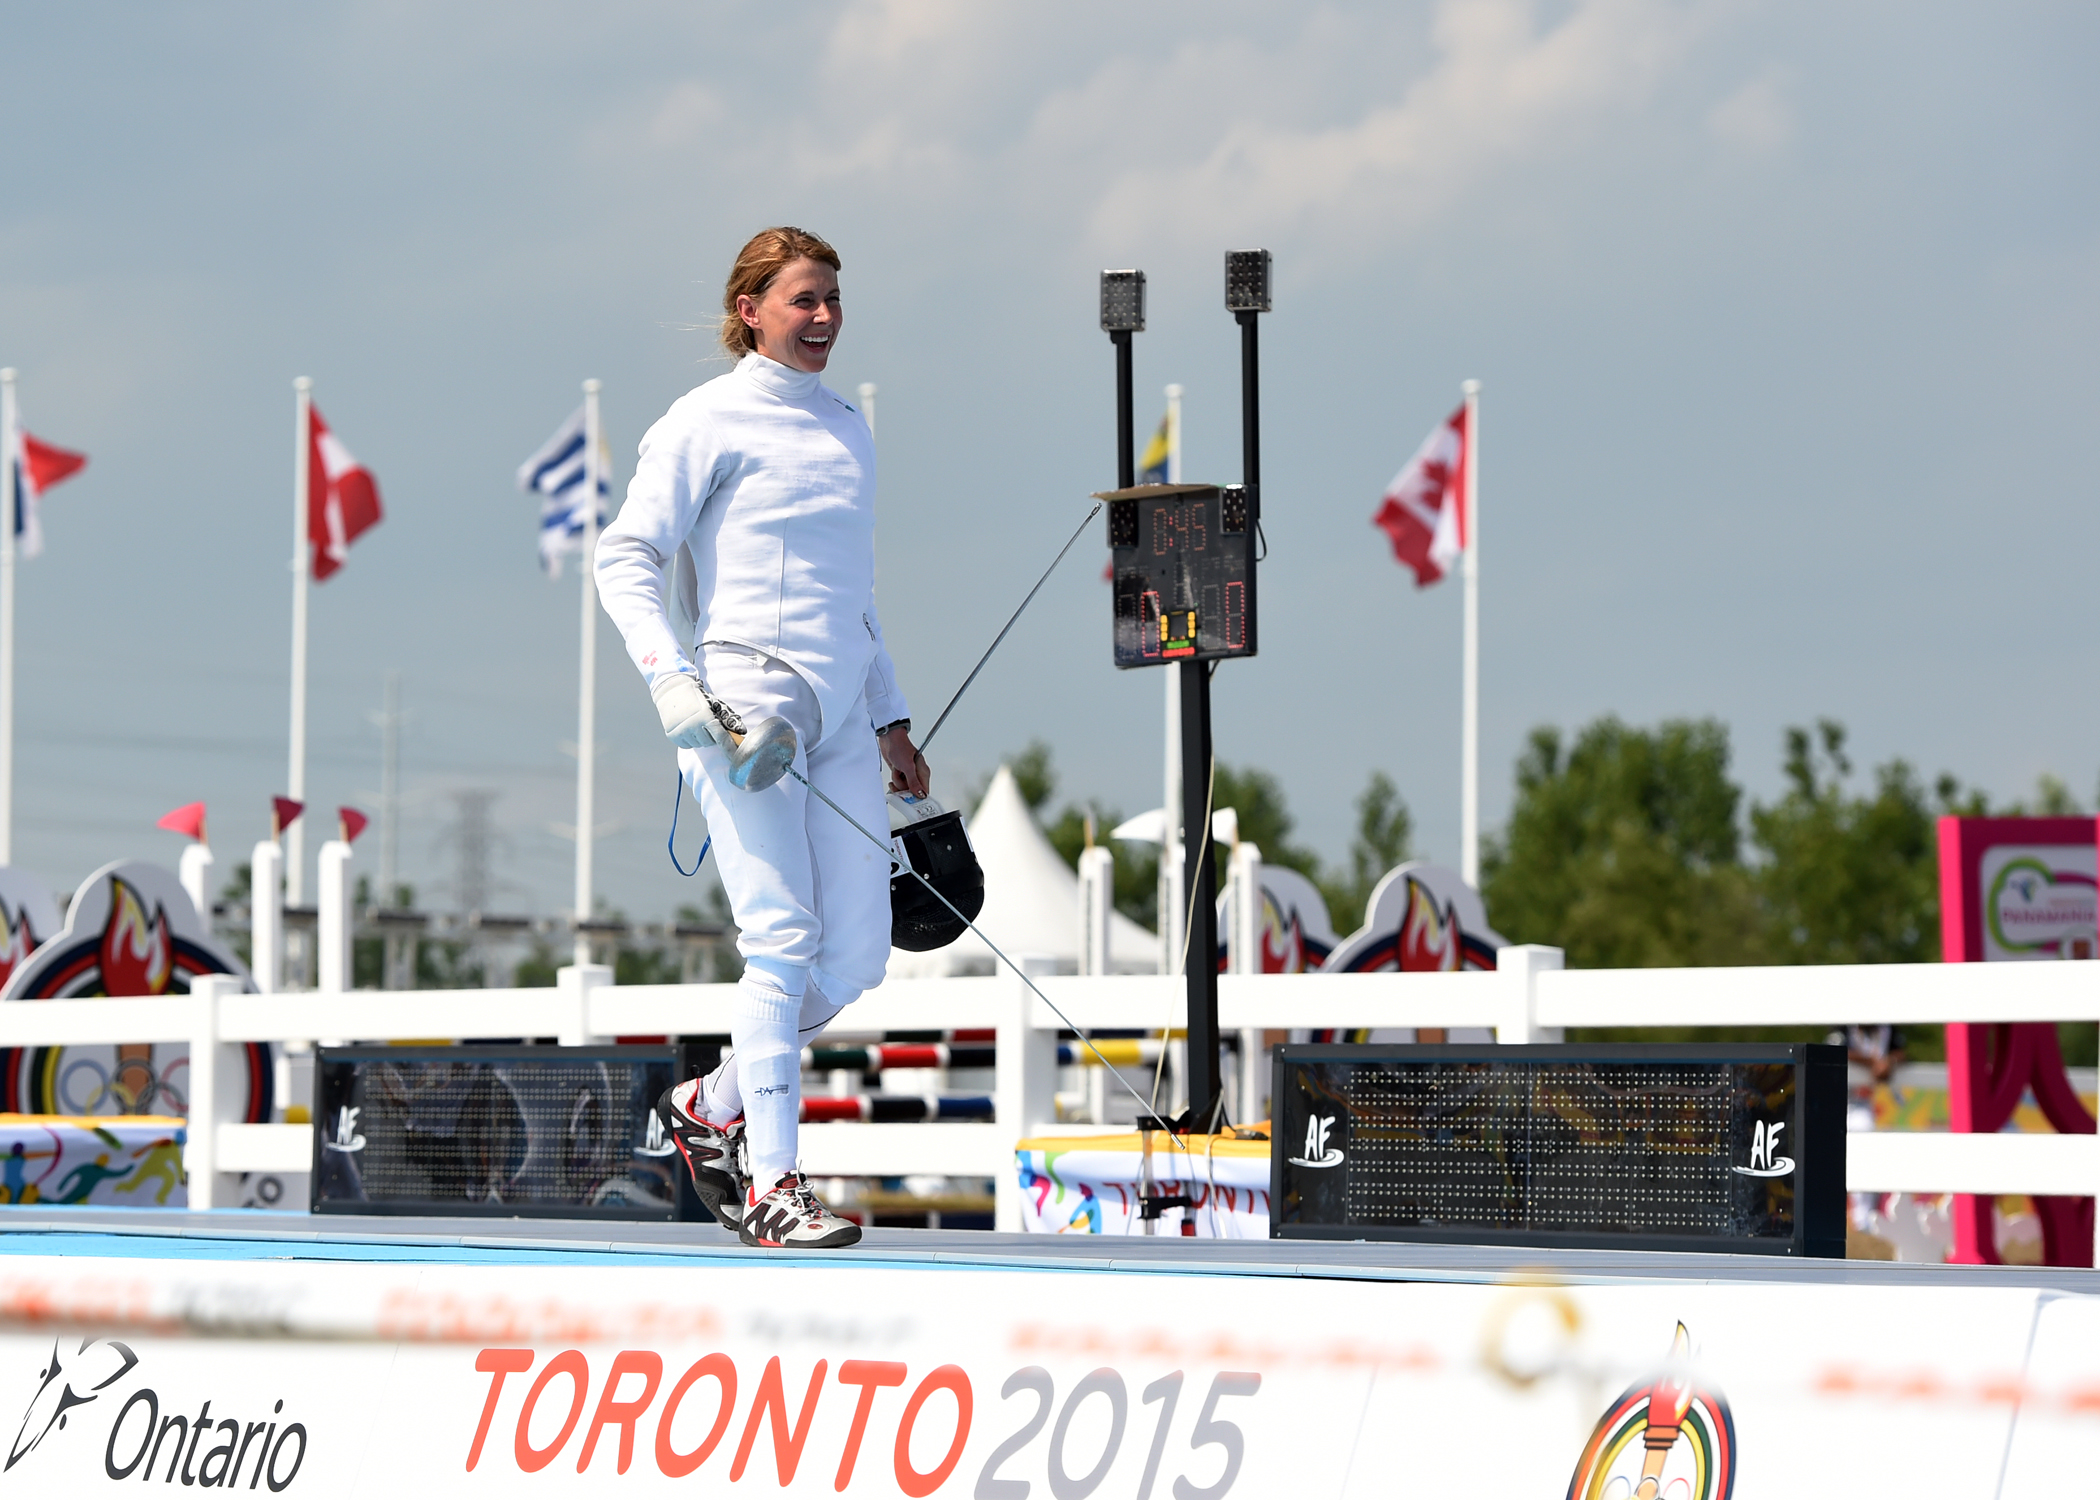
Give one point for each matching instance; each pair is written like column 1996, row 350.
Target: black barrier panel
column 1688, row 1148
column 540, row 1132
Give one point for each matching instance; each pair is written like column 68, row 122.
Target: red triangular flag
column 284, row 812
column 188, row 819
column 351, row 822
column 45, row 465
column 342, row 500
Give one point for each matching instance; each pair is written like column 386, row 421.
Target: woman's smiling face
column 797, row 318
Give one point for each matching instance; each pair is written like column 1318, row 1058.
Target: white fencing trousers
column 810, row 894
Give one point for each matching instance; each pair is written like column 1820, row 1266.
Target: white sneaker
column 713, row 1153
column 790, row 1217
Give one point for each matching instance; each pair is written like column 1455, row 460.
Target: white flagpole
column 1173, row 434
column 867, row 404
column 9, row 501
column 302, row 572
column 1172, row 900
column 1469, row 791
column 587, row 693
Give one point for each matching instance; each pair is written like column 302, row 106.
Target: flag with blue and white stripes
column 557, row 473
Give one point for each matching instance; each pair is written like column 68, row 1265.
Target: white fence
column 1529, row 998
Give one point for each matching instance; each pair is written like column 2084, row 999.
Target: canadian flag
column 342, row 500
column 1425, row 506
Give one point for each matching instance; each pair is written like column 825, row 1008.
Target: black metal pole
column 1126, row 419
column 1199, row 859
column 1250, row 407
column 1199, row 881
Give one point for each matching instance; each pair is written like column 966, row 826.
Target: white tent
column 1031, row 901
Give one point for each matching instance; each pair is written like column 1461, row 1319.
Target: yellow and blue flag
column 1152, row 468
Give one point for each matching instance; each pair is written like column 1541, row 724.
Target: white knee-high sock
column 769, row 1077
column 721, row 1100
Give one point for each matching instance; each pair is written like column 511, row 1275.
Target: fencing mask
column 931, row 841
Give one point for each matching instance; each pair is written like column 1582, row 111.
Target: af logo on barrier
column 1765, row 1160
column 346, row 1137
column 1317, row 1152
column 654, row 1141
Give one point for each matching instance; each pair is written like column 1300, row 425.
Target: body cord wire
column 999, row 952
column 1188, row 925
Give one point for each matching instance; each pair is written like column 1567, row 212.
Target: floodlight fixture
column 1247, row 281
column 1122, row 302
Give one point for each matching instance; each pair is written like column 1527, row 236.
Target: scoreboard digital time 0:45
column 1184, row 572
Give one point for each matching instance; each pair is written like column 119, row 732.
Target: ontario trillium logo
column 1317, row 1152
column 69, row 1381
column 1765, row 1160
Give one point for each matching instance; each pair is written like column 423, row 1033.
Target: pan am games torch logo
column 1665, row 1438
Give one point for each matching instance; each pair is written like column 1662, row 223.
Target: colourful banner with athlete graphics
column 1207, row 1187
column 120, row 1161
column 839, row 1374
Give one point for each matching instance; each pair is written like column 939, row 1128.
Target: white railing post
column 266, row 916
column 214, row 1094
column 1097, row 898
column 332, row 921
column 1024, row 1095
column 576, row 983
column 1243, row 918
column 194, row 871
column 1518, row 966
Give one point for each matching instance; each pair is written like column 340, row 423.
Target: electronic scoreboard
column 1730, row 1148
column 1184, row 558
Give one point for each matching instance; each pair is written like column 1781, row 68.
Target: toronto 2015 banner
column 510, row 1377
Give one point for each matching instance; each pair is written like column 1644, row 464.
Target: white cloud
column 686, row 115
column 1757, row 118
column 1502, row 91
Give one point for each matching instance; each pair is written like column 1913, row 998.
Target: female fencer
column 758, row 491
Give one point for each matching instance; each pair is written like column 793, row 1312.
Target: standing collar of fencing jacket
column 776, row 379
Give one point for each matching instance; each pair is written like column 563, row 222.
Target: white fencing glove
column 689, row 720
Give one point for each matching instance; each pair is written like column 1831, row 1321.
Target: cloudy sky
column 1787, row 315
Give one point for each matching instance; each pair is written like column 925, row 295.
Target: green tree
column 1136, row 886
column 1256, row 797
column 1384, row 838
column 1034, row 777
column 1625, row 850
column 647, row 966
column 367, row 954
column 1848, row 879
column 1136, row 890
column 235, row 894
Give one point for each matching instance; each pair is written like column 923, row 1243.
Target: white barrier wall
column 1528, row 998
column 344, row 1379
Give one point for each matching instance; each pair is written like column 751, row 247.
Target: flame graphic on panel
column 1428, row 937
column 1282, row 940
column 17, row 940
column 138, row 956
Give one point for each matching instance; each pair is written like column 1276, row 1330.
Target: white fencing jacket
column 762, row 484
